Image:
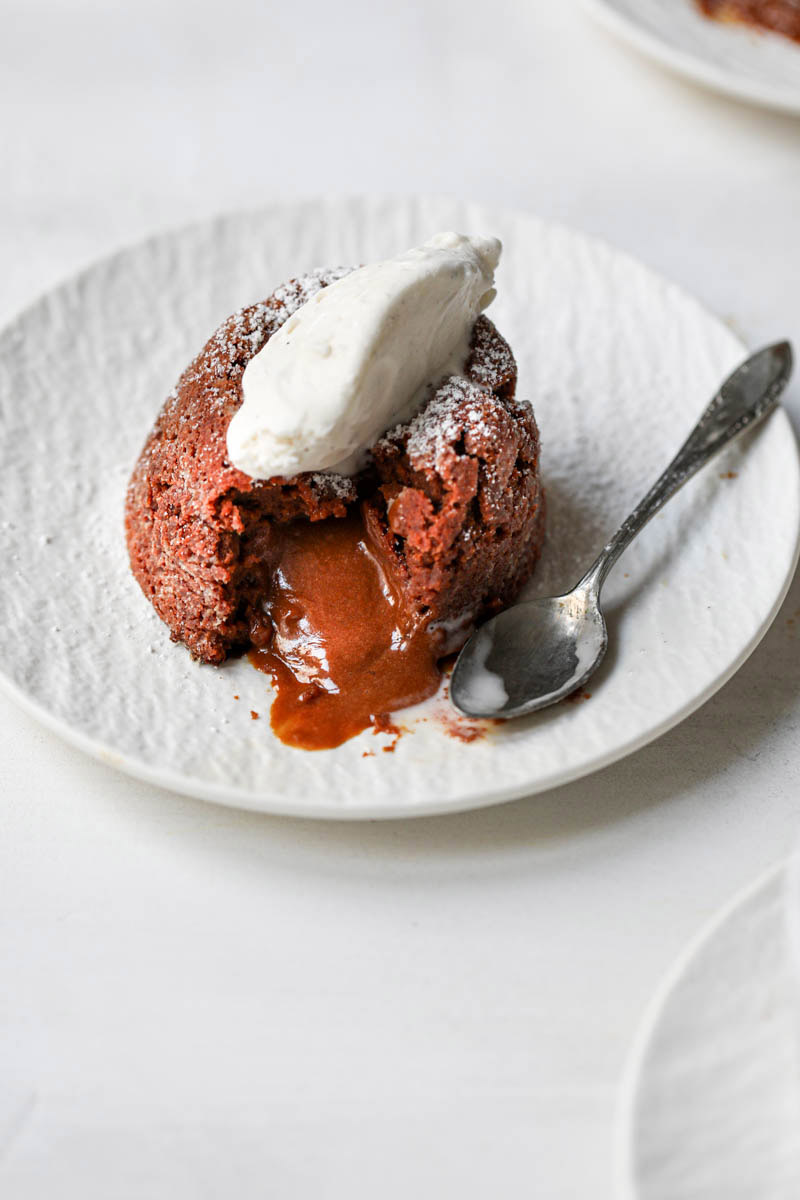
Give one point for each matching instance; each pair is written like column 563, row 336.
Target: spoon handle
column 745, row 397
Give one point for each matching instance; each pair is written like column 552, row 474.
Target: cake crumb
column 464, row 730
column 254, row 716
column 383, row 723
column 729, row 475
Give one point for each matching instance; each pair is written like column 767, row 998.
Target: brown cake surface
column 450, row 504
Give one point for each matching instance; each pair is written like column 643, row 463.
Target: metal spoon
column 537, row 653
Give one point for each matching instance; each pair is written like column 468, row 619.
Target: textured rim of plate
column 700, row 70
column 255, row 801
column 624, row 1178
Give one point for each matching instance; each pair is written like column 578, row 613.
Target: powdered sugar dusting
column 328, row 483
column 491, row 362
column 457, row 405
column 297, row 292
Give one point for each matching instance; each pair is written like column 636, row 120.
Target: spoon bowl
column 558, row 642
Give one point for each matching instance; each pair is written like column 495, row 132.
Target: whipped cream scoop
column 359, row 357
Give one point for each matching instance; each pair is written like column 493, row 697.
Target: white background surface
column 195, row 1002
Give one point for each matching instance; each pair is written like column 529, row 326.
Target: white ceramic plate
column 761, row 68
column 619, row 364
column 711, row 1099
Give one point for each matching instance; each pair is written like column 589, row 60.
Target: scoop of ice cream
column 360, row 357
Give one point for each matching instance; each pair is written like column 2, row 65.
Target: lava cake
column 347, row 589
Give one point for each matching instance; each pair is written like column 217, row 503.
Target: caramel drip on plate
column 345, row 650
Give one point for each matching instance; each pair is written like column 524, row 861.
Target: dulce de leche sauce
column 345, row 651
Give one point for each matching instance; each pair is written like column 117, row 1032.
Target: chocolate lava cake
column 451, row 501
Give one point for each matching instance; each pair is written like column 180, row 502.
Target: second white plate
column 761, row 68
column 711, row 1099
column 618, row 363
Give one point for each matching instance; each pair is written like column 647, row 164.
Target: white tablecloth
column 197, row 1002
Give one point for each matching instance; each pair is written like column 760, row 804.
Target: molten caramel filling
column 345, row 650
